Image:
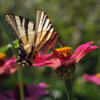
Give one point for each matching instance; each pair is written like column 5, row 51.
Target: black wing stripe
column 21, row 27
column 48, row 25
column 42, row 18
column 26, row 27
column 44, row 21
column 44, row 31
column 10, row 19
column 49, row 41
column 44, row 39
column 47, row 33
column 45, row 24
column 38, row 17
column 11, row 28
column 53, row 38
column 34, row 26
column 21, row 20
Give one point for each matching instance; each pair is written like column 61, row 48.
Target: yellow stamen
column 98, row 75
column 2, row 55
column 64, row 52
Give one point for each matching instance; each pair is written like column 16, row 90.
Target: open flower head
column 62, row 60
column 31, row 92
column 6, row 65
column 92, row 78
column 63, row 54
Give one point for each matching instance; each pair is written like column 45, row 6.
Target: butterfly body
column 33, row 37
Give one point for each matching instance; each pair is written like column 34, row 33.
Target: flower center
column 98, row 75
column 2, row 55
column 64, row 52
column 2, row 61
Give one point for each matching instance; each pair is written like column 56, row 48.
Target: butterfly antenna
column 54, row 46
column 63, row 42
column 59, row 44
column 62, row 25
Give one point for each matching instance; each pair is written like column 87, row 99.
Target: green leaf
column 16, row 45
column 3, row 49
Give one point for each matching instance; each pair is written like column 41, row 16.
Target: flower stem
column 20, row 83
column 19, row 68
column 68, row 83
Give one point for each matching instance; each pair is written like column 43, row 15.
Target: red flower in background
column 31, row 92
column 62, row 59
column 6, row 65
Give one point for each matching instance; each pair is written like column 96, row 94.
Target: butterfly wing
column 24, row 30
column 45, row 35
column 32, row 38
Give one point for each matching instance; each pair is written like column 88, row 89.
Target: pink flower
column 92, row 78
column 55, row 60
column 31, row 92
column 6, row 65
column 63, row 58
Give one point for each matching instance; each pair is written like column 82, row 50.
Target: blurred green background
column 83, row 25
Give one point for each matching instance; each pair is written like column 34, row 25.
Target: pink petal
column 44, row 63
column 83, row 46
column 83, row 49
column 4, row 97
column 91, row 78
column 42, row 58
column 55, row 53
column 37, row 91
column 55, row 62
column 47, row 60
column 69, row 62
column 40, row 61
column 7, row 66
column 9, row 93
column 40, row 85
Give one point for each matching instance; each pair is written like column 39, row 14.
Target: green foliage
column 5, row 48
column 83, row 25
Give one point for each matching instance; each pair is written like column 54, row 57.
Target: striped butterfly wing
column 45, row 35
column 32, row 38
column 24, row 30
